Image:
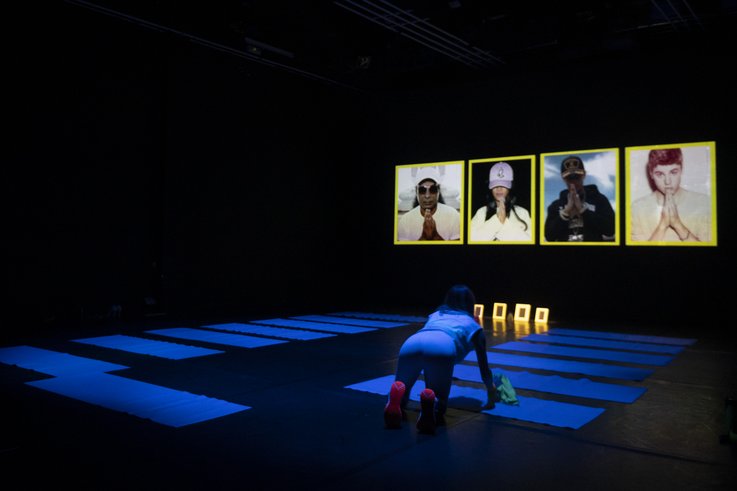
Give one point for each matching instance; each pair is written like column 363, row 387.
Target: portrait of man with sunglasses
column 430, row 218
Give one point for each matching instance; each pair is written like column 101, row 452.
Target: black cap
column 572, row 165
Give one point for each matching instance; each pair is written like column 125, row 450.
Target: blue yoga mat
column 553, row 413
column 603, row 343
column 386, row 317
column 213, row 337
column 162, row 349
column 566, row 366
column 555, row 384
column 624, row 337
column 352, row 322
column 160, row 404
column 315, row 326
column 276, row 332
column 598, row 354
column 52, row 362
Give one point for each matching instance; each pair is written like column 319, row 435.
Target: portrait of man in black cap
column 581, row 213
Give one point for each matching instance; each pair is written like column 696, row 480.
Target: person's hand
column 670, row 210
column 491, row 396
column 429, row 229
column 664, row 222
column 574, row 206
column 501, row 211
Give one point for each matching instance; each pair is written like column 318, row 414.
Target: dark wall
column 83, row 166
column 153, row 173
column 256, row 187
column 653, row 98
column 143, row 166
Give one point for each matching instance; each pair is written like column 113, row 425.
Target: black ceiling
column 375, row 44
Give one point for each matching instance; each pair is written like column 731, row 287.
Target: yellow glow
column 522, row 328
column 478, row 311
column 541, row 315
column 499, row 326
column 522, row 312
column 540, row 328
column 500, row 311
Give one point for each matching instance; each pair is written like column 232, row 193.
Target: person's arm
column 479, row 343
column 556, row 226
column 429, row 228
column 675, row 222
column 602, row 217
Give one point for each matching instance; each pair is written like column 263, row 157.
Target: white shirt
column 694, row 210
column 459, row 326
column 447, row 222
column 513, row 228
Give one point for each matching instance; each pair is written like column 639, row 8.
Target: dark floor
column 307, row 431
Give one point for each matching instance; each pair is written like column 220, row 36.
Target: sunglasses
column 572, row 164
column 433, row 188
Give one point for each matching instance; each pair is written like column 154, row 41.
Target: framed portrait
column 671, row 192
column 429, row 203
column 502, row 200
column 579, row 197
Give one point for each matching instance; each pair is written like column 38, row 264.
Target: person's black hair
column 509, row 203
column 459, row 297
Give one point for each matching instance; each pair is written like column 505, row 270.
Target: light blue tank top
column 460, row 326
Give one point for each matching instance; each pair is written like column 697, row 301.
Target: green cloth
column 504, row 389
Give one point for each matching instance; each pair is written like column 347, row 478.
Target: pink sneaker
column 393, row 409
column 426, row 422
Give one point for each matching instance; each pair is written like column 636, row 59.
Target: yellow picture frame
column 697, row 177
column 602, row 168
column 452, row 191
column 524, row 168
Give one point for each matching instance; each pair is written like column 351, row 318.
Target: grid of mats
column 627, row 359
column 620, row 360
column 89, row 380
